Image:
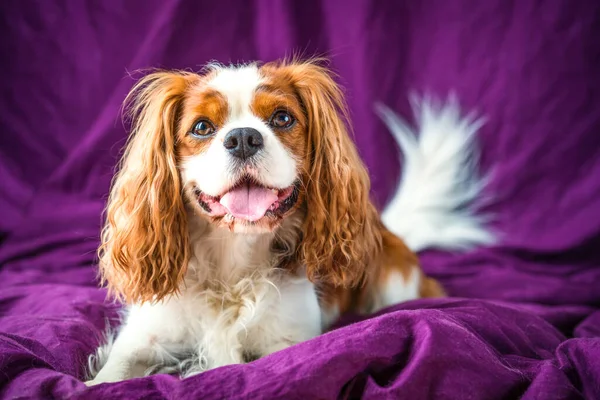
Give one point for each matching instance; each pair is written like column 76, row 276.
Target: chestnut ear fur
column 144, row 249
column 342, row 230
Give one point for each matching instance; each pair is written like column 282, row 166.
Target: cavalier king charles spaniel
column 240, row 222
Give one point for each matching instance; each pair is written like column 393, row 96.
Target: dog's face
column 241, row 147
column 246, row 147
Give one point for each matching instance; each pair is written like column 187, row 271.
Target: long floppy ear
column 144, row 250
column 342, row 230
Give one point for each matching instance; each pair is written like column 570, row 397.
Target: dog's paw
column 98, row 379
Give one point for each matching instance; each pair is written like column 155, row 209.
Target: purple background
column 531, row 67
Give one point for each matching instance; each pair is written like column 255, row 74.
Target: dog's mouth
column 249, row 200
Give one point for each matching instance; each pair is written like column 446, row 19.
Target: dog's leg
column 130, row 355
column 222, row 348
column 151, row 335
column 294, row 316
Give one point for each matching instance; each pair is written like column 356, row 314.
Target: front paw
column 104, row 377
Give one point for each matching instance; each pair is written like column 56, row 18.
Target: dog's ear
column 144, row 250
column 342, row 229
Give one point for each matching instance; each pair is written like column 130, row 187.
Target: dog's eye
column 281, row 119
column 202, row 129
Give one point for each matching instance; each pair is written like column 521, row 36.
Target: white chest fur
column 234, row 304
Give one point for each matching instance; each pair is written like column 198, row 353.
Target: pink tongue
column 249, row 202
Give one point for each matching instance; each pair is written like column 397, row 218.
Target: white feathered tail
column 433, row 203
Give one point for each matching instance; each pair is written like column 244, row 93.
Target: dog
column 240, row 223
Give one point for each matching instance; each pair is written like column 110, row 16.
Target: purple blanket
column 523, row 319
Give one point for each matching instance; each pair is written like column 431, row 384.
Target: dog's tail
column 433, row 203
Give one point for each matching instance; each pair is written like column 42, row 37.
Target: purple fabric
column 524, row 319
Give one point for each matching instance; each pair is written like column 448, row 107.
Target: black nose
column 243, row 142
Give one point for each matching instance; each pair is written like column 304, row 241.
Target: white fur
column 398, row 289
column 274, row 166
column 432, row 206
column 233, row 301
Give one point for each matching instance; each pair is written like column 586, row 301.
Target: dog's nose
column 243, row 142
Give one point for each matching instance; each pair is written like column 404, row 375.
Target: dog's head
column 245, row 147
